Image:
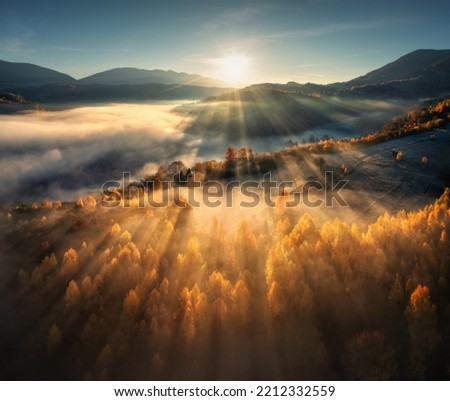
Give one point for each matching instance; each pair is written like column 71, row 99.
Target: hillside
column 96, row 292
column 253, row 113
column 10, row 103
column 24, row 74
column 422, row 73
column 412, row 146
column 147, row 294
column 272, row 112
column 418, row 65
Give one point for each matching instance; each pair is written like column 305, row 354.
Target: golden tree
column 423, row 335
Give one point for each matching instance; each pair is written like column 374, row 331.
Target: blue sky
column 305, row 41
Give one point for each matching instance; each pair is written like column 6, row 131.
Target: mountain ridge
column 27, row 74
column 413, row 65
column 14, row 74
column 423, row 73
column 139, row 76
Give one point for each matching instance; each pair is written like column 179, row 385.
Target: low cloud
column 65, row 153
column 70, row 153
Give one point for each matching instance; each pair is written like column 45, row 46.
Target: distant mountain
column 418, row 65
column 135, row 76
column 118, row 85
column 417, row 75
column 25, row 74
column 420, row 74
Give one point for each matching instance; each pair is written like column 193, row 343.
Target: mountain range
column 420, row 64
column 24, row 74
column 42, row 85
column 135, row 76
column 416, row 75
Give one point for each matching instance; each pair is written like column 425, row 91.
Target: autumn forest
column 155, row 294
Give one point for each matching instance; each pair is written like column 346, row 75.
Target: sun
column 234, row 68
